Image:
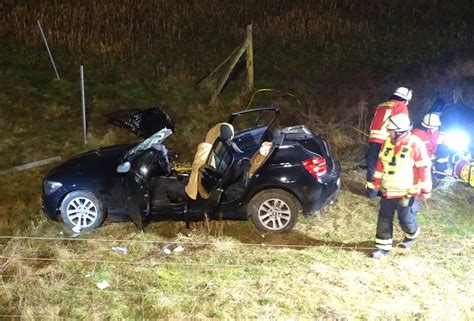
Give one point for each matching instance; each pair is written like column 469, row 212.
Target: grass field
column 334, row 56
column 228, row 270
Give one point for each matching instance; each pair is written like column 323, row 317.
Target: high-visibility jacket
column 432, row 138
column 403, row 168
column 378, row 132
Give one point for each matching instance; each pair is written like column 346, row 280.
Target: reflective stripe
column 381, row 241
column 422, row 163
column 378, row 131
column 414, row 235
column 425, row 186
column 377, row 175
column 441, row 139
column 379, row 134
column 384, row 247
column 396, row 194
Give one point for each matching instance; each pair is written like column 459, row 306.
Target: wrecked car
column 295, row 174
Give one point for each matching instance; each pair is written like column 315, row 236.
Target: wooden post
column 226, row 75
column 234, row 59
column 220, row 66
column 31, row 165
column 83, row 98
column 362, row 119
column 249, row 41
column 47, row 48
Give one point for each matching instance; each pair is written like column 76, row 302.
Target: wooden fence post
column 249, row 41
column 234, row 58
column 226, row 75
column 362, row 119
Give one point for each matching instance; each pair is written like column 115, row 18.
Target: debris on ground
column 102, row 284
column 173, row 248
column 120, row 250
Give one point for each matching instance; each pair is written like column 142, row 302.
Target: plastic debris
column 120, row 250
column 178, row 249
column 173, row 248
column 76, row 229
column 103, row 284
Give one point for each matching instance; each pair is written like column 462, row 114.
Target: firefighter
column 402, row 172
column 397, row 104
column 429, row 133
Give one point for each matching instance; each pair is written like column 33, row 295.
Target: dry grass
column 171, row 34
column 230, row 271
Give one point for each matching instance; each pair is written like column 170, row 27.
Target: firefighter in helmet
column 429, row 133
column 397, row 104
column 402, row 173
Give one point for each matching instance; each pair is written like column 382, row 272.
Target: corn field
column 190, row 36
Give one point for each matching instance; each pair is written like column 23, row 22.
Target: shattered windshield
column 156, row 138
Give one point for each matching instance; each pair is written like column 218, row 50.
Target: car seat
column 223, row 130
column 259, row 158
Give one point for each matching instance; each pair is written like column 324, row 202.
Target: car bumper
column 320, row 196
column 50, row 206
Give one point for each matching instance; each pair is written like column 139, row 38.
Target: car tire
column 82, row 207
column 274, row 211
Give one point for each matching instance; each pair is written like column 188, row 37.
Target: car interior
column 224, row 164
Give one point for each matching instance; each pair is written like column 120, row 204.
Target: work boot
column 379, row 253
column 407, row 242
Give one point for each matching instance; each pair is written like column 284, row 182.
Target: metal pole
column 47, row 48
column 83, row 96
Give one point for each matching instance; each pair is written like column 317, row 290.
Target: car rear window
column 313, row 146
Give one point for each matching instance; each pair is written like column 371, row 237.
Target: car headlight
column 457, row 140
column 50, row 187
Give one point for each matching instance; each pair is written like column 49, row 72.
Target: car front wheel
column 274, row 211
column 83, row 209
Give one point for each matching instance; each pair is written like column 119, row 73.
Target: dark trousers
column 371, row 158
column 406, row 218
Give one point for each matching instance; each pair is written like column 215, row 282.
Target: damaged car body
column 294, row 174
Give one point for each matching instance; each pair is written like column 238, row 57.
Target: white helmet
column 403, row 93
column 398, row 123
column 431, row 121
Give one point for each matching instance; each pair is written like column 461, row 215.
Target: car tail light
column 316, row 166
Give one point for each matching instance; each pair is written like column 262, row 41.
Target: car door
column 136, row 186
column 252, row 127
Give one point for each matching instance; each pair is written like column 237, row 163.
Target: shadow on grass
column 245, row 233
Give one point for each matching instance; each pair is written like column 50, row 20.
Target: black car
column 138, row 181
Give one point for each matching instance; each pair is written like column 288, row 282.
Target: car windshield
column 156, row 138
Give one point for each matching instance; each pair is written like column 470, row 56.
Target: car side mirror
column 124, row 167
